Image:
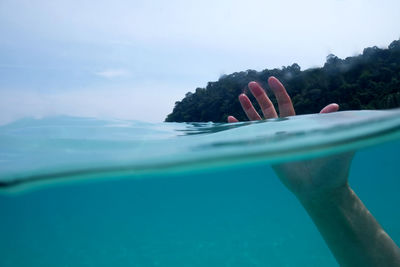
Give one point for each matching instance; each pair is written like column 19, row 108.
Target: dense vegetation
column 368, row 81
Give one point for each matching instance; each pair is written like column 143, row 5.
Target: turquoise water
column 90, row 192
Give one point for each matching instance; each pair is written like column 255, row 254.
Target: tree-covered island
column 368, row 81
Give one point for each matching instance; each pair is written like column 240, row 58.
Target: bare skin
column 321, row 185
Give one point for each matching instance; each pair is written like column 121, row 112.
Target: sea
column 106, row 192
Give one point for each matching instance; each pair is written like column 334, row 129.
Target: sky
column 134, row 59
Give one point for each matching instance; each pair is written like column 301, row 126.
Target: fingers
column 232, row 119
column 330, row 108
column 265, row 103
column 268, row 109
column 248, row 108
column 284, row 102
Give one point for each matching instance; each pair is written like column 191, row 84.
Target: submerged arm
column 351, row 232
column 349, row 229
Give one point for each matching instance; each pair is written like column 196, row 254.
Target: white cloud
column 113, row 73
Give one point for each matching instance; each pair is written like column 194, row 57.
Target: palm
column 310, row 178
column 307, row 177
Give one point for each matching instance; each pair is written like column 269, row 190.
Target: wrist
column 327, row 199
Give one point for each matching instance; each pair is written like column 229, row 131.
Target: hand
column 349, row 229
column 284, row 102
column 307, row 179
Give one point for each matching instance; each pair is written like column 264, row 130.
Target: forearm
column 351, row 232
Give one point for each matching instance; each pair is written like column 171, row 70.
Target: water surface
column 90, row 192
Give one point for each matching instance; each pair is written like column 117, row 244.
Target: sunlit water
column 88, row 192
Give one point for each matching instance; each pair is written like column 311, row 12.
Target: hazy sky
column 134, row 59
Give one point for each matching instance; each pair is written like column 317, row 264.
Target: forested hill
column 368, row 81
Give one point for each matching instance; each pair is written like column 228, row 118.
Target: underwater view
column 90, row 192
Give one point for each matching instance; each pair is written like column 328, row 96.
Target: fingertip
column 274, row 82
column 252, row 84
column 232, row 119
column 245, row 101
column 330, row 108
column 242, row 97
column 256, row 89
column 272, row 78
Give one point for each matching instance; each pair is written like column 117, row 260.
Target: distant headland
column 368, row 81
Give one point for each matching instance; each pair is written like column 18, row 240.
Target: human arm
column 321, row 185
